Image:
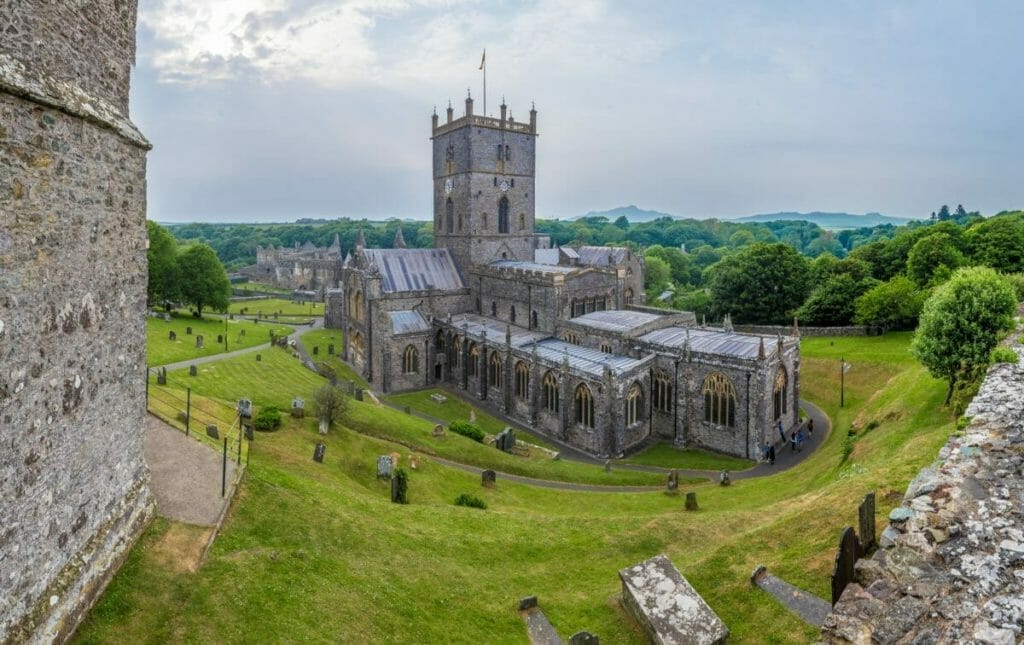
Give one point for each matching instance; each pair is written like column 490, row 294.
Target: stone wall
column 73, row 484
column 785, row 330
column 951, row 566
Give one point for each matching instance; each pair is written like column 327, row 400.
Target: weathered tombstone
column 414, row 461
column 691, row 502
column 866, row 514
column 245, row 408
column 472, row 416
column 506, row 440
column 352, row 387
column 359, row 394
column 323, row 426
column 199, row 341
column 316, row 350
column 407, row 409
column 172, row 336
column 212, row 432
column 192, row 370
column 161, row 376
column 438, row 431
column 846, row 557
column 330, row 349
column 249, row 434
column 231, row 316
column 672, row 483
column 188, row 331
column 167, row 317
column 259, row 358
column 394, row 459
column 607, row 465
column 723, row 478
column 220, row 339
column 488, row 478
column 584, row 638
column 298, row 408
column 318, row 452
column 241, row 332
column 182, row 416
column 384, row 466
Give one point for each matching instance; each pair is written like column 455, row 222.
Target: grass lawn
column 324, row 338
column 667, row 456
column 315, row 552
column 256, row 286
column 267, row 307
column 161, row 350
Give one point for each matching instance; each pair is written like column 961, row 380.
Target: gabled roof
column 587, row 360
column 615, row 320
column 404, row 322
column 518, row 265
column 710, row 341
column 414, row 269
column 598, row 256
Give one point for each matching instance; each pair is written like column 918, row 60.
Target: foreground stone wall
column 73, row 484
column 951, row 566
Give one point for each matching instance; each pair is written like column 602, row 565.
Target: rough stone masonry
column 74, row 490
column 951, row 564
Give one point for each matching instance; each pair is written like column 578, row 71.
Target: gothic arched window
column 662, row 394
column 628, row 296
column 449, row 216
column 358, row 348
column 522, row 380
column 503, row 215
column 550, row 392
column 779, row 392
column 410, row 360
column 474, row 359
column 719, row 400
column 634, row 404
column 439, row 341
column 584, row 406
column 494, row 372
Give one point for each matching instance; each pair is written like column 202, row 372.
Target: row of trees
column 190, row 273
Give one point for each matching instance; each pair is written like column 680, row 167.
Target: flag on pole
column 483, row 59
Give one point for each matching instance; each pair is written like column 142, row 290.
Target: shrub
column 963, row 422
column 1003, row 355
column 401, row 487
column 268, row 419
column 848, row 443
column 467, row 429
column 471, row 501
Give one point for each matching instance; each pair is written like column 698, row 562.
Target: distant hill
column 828, row 220
column 632, row 213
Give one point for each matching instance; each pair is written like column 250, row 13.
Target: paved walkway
column 185, row 475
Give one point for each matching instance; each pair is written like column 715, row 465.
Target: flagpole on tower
column 483, row 66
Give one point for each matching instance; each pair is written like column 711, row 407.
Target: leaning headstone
column 667, row 607
column 298, row 408
column 245, row 408
column 691, row 502
column 161, row 376
column 192, row 370
column 182, row 416
column 231, row 316
column 318, row 452
column 212, row 432
column 359, row 394
column 199, row 341
column 846, row 557
column 316, row 350
column 438, row 431
column 584, row 638
column 723, row 478
column 384, row 466
column 866, row 514
column 323, row 426
column 241, row 332
column 330, row 349
column 188, row 331
column 171, row 335
column 488, row 478
column 672, row 482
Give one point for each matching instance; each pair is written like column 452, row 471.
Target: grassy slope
column 270, row 306
column 160, row 350
column 666, row 456
column 316, row 552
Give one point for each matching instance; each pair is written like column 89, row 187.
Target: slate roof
column 615, row 320
column 585, row 359
column 475, row 325
column 597, row 256
column 532, row 266
column 414, row 269
column 404, row 322
column 710, row 341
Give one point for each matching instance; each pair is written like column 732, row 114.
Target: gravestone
column 846, row 557
column 199, row 341
column 407, row 409
column 241, row 332
column 161, row 376
column 607, row 465
column 182, row 416
column 212, row 432
column 188, row 331
column 192, row 371
column 472, row 416
column 259, row 358
column 359, row 394
column 245, row 408
column 414, row 461
column 316, row 350
column 351, row 387
column 400, row 488
column 231, row 316
column 384, row 466
column 691, row 502
column 220, row 339
column 723, row 478
column 172, row 336
column 249, row 434
column 438, row 431
column 488, row 478
column 584, row 638
column 506, row 440
column 330, row 349
column 298, row 408
column 322, row 426
column 318, row 452
column 672, row 483
column 167, row 317
column 866, row 514
column 394, row 459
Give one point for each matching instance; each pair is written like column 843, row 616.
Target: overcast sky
column 271, row 110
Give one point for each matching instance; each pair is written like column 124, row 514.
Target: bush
column 401, row 487
column 1003, row 355
column 467, row 429
column 268, row 419
column 848, row 443
column 471, row 501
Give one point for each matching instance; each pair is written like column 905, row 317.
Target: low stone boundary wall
column 951, row 563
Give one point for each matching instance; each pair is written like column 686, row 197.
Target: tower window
column 449, row 215
column 495, row 181
column 508, row 153
column 512, row 182
column 499, row 152
column 534, row 320
column 503, row 215
column 512, row 311
column 522, row 221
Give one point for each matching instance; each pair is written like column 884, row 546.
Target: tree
column 678, row 264
column 961, row 323
column 762, row 283
column 998, row 242
column 831, row 303
column 656, row 273
column 943, row 213
column 330, row 403
column 890, row 305
column 203, row 279
column 929, row 254
column 163, row 267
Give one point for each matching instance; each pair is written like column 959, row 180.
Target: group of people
column 796, row 440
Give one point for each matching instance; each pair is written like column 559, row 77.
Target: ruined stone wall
column 951, row 564
column 73, row 484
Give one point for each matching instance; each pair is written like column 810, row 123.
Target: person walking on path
column 792, row 442
column 766, row 446
column 799, row 440
column 782, row 433
column 810, row 428
column 771, row 455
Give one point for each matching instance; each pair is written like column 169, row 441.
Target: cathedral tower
column 484, row 174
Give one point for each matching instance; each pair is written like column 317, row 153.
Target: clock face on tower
column 448, row 185
column 504, row 185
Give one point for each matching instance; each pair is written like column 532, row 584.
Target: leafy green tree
column 943, row 214
column 679, row 264
column 163, row 266
column 204, row 283
column 696, row 301
column 762, row 283
column 656, row 274
column 831, row 303
column 929, row 254
column 890, row 305
column 998, row 242
column 961, row 322
column 330, row 403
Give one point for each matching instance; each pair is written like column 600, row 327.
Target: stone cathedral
column 557, row 339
